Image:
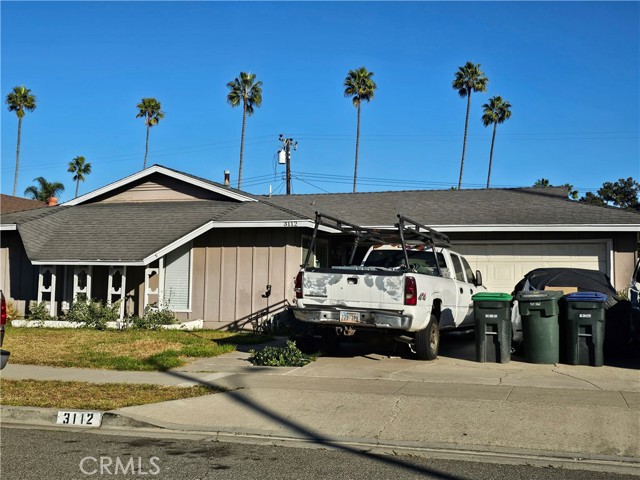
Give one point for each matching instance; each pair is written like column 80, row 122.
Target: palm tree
column 495, row 111
column 361, row 88
column 45, row 191
column 468, row 78
column 151, row 110
column 244, row 89
column 80, row 169
column 20, row 100
column 542, row 182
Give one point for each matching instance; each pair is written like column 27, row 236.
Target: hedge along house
column 206, row 251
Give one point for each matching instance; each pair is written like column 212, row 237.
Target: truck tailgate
column 353, row 288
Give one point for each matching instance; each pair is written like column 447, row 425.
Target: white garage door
column 504, row 264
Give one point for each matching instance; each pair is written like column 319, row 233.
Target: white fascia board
column 158, row 169
column 213, row 224
column 528, row 228
column 178, row 243
column 276, row 224
column 114, row 263
column 7, row 227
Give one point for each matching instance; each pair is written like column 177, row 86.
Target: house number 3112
column 290, row 224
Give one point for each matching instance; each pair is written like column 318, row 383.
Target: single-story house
column 161, row 237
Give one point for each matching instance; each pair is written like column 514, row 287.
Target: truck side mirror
column 478, row 278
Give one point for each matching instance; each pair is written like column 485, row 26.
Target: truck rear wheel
column 428, row 340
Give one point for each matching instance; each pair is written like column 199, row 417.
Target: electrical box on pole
column 287, row 144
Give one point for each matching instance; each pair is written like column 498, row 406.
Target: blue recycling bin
column 583, row 321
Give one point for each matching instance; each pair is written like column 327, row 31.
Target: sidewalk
column 374, row 399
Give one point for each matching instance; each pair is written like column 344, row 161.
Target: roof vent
column 226, row 178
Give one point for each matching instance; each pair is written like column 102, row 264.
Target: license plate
column 79, row 419
column 351, row 317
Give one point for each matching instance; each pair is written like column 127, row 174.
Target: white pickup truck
column 411, row 289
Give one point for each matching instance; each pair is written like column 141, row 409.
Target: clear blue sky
column 571, row 70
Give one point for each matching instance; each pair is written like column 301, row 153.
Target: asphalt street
column 56, row 454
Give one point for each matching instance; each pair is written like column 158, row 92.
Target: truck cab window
column 458, row 268
column 471, row 278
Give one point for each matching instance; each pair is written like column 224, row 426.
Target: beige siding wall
column 624, row 259
column 18, row 278
column 159, row 188
column 231, row 271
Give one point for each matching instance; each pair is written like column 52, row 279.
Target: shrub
column 12, row 311
column 39, row 311
column 153, row 318
column 94, row 314
column 287, row 356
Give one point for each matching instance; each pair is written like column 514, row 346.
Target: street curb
column 113, row 421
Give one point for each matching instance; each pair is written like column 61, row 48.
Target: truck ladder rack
column 360, row 233
column 414, row 230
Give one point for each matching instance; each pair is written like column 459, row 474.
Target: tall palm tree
column 469, row 78
column 151, row 110
column 80, row 169
column 45, row 189
column 246, row 91
column 495, row 111
column 360, row 87
column 20, row 100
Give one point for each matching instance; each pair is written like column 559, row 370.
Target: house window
column 177, row 279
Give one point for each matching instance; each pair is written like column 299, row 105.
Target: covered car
column 618, row 311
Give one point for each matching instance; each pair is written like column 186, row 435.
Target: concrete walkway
column 377, row 399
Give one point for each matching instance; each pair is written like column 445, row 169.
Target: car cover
column 584, row 280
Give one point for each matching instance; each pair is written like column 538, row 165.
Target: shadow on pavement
column 314, row 436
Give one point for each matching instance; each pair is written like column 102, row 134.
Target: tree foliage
column 151, row 110
column 20, row 100
column 246, row 91
column 44, row 190
column 495, row 111
column 80, row 169
column 360, row 87
column 469, row 78
column 622, row 194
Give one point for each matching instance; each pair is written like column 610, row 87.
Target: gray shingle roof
column 131, row 232
column 119, row 232
column 127, row 232
column 457, row 207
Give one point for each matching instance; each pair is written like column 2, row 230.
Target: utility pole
column 287, row 143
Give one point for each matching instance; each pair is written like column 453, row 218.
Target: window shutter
column 177, row 278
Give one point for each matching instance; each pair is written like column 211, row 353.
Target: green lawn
column 119, row 349
column 104, row 396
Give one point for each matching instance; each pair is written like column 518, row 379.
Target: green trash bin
column 540, row 325
column 492, row 313
column 582, row 318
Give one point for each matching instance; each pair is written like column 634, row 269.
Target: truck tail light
column 298, row 285
column 3, row 315
column 410, row 291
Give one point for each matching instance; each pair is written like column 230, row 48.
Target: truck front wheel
column 428, row 340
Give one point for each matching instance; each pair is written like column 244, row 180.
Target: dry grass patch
column 104, row 396
column 138, row 349
column 118, row 350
